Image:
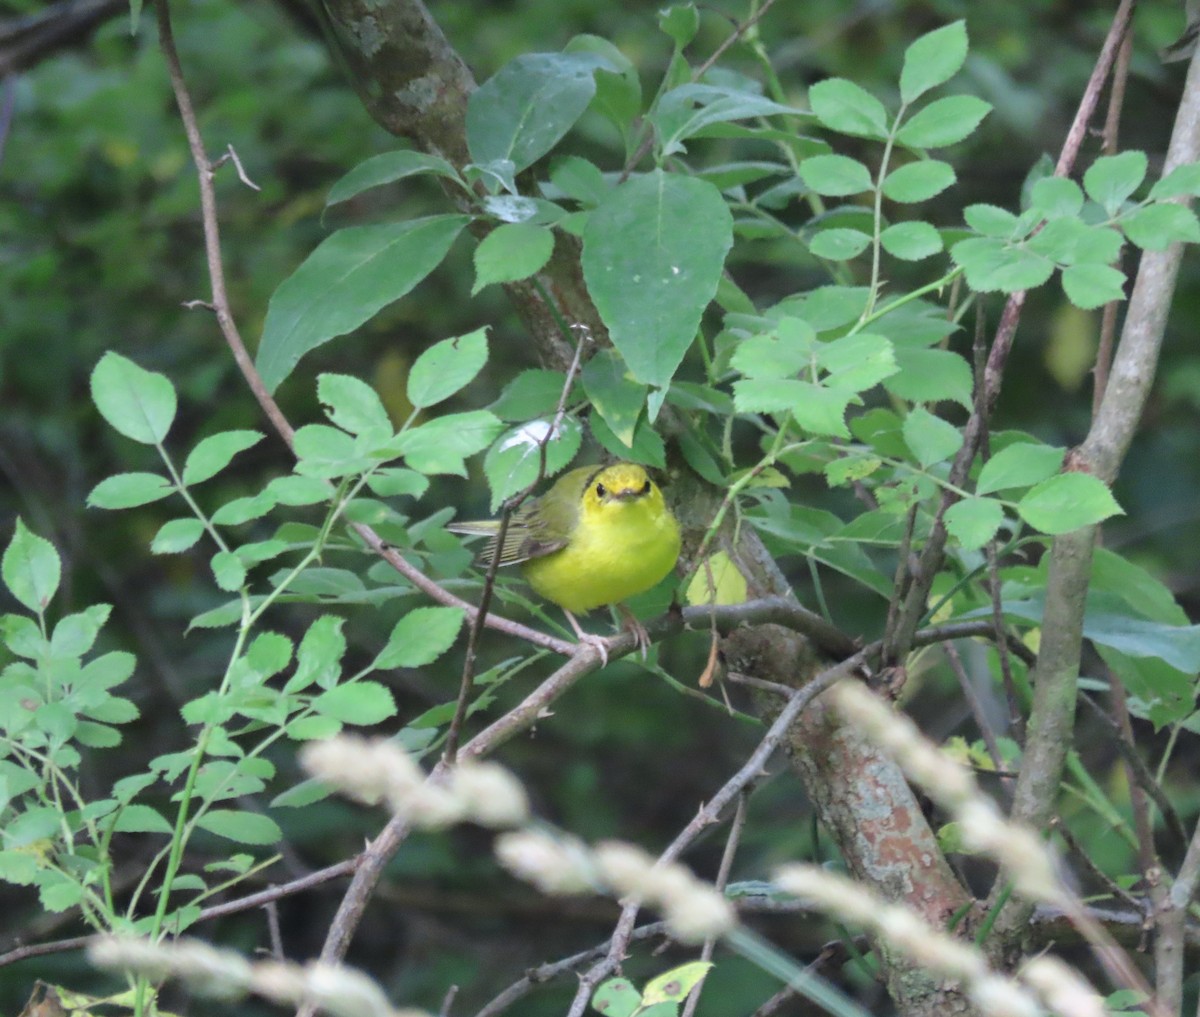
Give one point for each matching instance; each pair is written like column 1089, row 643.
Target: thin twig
column 212, row 233
column 722, row 880
column 751, row 771
column 489, row 580
column 976, row 705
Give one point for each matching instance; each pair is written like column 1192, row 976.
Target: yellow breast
column 625, row 541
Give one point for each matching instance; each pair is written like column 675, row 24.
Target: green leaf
column 129, row 490
column 228, row 571
column 843, row 106
column 510, row 252
column 242, row 827
column 352, row 274
column 1111, row 179
column 653, row 252
column 243, row 510
column 613, row 393
column 1156, row 227
column 294, row 490
column 911, row 241
column 616, row 997
column 522, row 111
column 139, row 404
column 839, row 244
column 785, row 351
column 75, row 634
column 141, row 819
column 397, row 481
column 512, row 464
column 928, row 376
column 353, row 405
column 974, row 521
column 1019, row 465
column 442, row 444
column 1092, row 286
column 1181, row 181
column 991, row 221
column 447, row 367
column 1056, row 197
column 216, row 452
column 835, row 175
column 385, row 169
column 918, row 181
column 325, row 452
column 694, row 108
column 991, row 265
column 932, row 60
column 646, row 448
column 362, row 703
column 673, row 986
column 944, row 122
column 1066, row 502
column 856, row 362
column 532, row 393
column 420, row 637
column 931, row 439
column 23, row 636
column 31, row 568
column 681, row 22
column 319, row 659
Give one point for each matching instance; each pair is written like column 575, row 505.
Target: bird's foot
column 630, row 624
column 598, row 643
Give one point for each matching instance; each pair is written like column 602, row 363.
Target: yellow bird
column 600, row 535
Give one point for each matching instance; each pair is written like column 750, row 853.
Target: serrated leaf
column 839, row 244
column 523, row 110
column 613, row 393
column 1182, row 180
column 1066, row 502
column 129, row 490
column 992, row 265
column 353, row 405
column 215, row 452
column 927, row 376
column 354, row 273
column 510, row 252
column 242, row 827
column 1156, row 227
column 1056, row 197
column 31, row 568
column 141, row 819
column 228, row 571
column 1019, row 465
column 663, row 237
column 385, row 169
column 361, row 703
column 932, row 60
column 931, row 439
column 843, row 106
column 512, row 464
column 447, row 367
column 674, row 985
column 441, row 445
column 918, row 181
column 1091, row 286
column 420, row 637
column 911, row 241
column 835, row 175
column 139, row 404
column 944, row 122
column 319, row 657
column 1111, row 179
column 991, row 221
column 974, row 521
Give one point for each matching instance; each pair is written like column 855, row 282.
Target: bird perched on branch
column 600, row 535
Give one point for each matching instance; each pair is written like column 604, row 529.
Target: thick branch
column 1070, row 558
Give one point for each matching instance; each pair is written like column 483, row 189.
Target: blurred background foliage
column 100, row 246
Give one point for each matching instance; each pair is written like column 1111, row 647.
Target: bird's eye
column 600, row 491
column 646, row 487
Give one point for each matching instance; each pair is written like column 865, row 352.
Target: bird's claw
column 598, row 643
